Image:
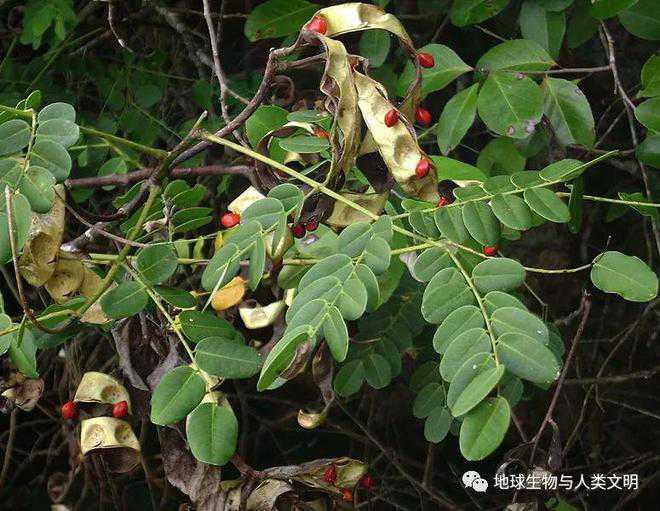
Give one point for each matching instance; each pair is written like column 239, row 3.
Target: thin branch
column 272, row 66
column 586, row 309
column 621, row 378
column 176, row 173
column 608, row 43
column 10, row 447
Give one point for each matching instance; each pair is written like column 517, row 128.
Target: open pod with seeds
column 112, row 438
column 39, row 257
column 100, row 388
column 257, row 316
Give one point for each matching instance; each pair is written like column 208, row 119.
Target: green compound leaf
column 156, row 263
column 127, row 299
column 512, row 211
column 516, row 320
column 545, row 203
column 481, row 223
column 432, row 396
column 350, row 377
column 462, row 319
column 14, row 136
column 476, row 382
column 437, row 425
column 510, row 105
column 467, row 344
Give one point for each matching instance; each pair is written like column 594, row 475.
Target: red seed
column 312, row 226
column 120, row 410
column 229, row 220
column 318, row 24
column 330, row 475
column 298, row 230
column 367, row 482
column 347, row 494
column 320, row 132
column 69, row 410
column 443, row 202
column 422, row 116
column 425, row 59
column 391, row 118
column 423, row 167
column 490, row 251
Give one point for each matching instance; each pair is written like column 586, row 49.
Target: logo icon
column 472, row 479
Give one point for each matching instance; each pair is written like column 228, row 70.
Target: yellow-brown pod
column 338, row 85
column 344, row 215
column 66, row 278
column 229, row 295
column 38, row 260
column 396, row 144
column 95, row 387
column 114, row 439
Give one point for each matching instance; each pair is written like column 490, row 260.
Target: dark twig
column 273, row 65
column 608, row 44
column 10, row 447
column 586, row 309
column 430, row 491
column 176, row 173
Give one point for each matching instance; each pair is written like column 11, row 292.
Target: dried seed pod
column 261, row 316
column 39, row 256
column 309, row 420
column 343, row 215
column 283, row 245
column 397, row 144
column 244, row 200
column 66, row 278
column 114, row 439
column 95, row 387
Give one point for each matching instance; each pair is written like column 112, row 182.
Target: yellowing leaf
column 229, row 295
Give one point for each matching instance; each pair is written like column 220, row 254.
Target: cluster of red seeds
column 69, row 410
column 330, row 477
column 299, row 230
